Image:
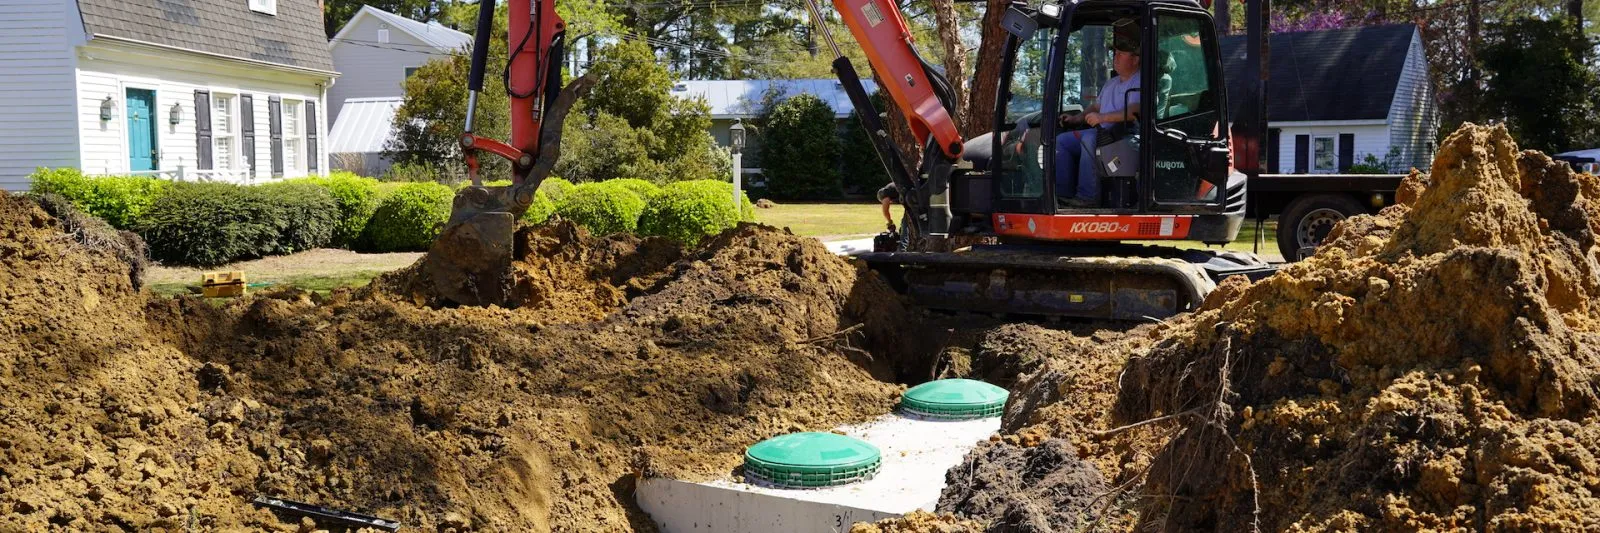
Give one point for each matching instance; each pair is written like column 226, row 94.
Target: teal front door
column 141, row 130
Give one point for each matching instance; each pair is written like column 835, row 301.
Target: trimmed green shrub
column 408, row 218
column 640, row 187
column 688, row 211
column 604, row 207
column 307, row 215
column 541, row 209
column 800, row 150
column 120, row 200
column 357, row 198
column 209, row 224
column 555, row 188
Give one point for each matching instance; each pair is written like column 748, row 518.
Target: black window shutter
column 311, row 136
column 1347, row 151
column 1274, row 138
column 247, row 131
column 1302, row 154
column 202, row 129
column 275, row 131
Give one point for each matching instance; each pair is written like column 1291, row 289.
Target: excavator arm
column 921, row 94
column 470, row 262
column 535, row 42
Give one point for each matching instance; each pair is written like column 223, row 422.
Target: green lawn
column 315, row 283
column 826, row 220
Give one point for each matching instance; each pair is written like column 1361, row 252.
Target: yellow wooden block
column 226, row 283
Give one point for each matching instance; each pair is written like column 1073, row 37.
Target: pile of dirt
column 169, row 414
column 1436, row 366
column 1025, row 489
column 559, row 271
column 1432, row 367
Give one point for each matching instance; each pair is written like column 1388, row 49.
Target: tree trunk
column 955, row 58
column 1470, row 100
column 1224, row 16
column 1575, row 12
column 900, row 130
column 986, row 78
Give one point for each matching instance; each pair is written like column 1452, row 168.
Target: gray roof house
column 732, row 100
column 374, row 53
column 1337, row 96
column 229, row 90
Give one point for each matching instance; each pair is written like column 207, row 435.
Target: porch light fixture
column 736, row 136
column 105, row 108
column 176, row 114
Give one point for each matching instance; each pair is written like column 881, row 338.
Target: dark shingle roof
column 227, row 27
column 1343, row 74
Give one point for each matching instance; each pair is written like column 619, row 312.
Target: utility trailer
column 1309, row 205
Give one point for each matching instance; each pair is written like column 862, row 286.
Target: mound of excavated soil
column 172, row 414
column 1434, row 367
column 1017, row 489
column 559, row 271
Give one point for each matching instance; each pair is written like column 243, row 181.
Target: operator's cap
column 1125, row 35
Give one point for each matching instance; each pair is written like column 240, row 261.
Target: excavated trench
column 1433, row 367
column 625, row 357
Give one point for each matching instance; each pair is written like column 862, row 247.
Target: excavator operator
column 1077, row 184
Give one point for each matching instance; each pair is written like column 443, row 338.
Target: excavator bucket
column 470, row 262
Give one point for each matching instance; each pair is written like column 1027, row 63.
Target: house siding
column 371, row 70
column 1414, row 113
column 1369, row 139
column 36, row 43
column 109, row 69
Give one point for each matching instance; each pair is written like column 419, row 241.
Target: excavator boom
column 470, row 262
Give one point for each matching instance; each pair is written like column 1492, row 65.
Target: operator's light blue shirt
column 1111, row 96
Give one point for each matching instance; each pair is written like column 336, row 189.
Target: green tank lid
column 954, row 399
column 811, row 460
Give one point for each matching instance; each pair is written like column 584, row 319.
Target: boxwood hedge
column 604, row 208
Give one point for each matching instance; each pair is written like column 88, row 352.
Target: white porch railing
column 238, row 176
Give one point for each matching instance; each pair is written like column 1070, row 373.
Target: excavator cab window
column 1021, row 169
column 1188, row 109
column 1086, row 68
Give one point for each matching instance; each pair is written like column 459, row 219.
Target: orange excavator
column 1175, row 171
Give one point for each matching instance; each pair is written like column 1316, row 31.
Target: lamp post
column 736, row 140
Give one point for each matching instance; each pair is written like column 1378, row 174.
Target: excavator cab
column 1173, row 158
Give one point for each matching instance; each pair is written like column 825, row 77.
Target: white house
column 1337, row 96
column 375, row 52
column 216, row 89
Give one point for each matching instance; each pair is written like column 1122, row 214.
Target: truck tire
column 1308, row 219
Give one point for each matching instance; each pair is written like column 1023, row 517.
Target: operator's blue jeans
column 1075, row 165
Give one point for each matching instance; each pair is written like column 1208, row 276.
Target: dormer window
column 269, row 7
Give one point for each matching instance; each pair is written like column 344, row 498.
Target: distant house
column 220, row 90
column 374, row 53
column 732, row 100
column 1336, row 96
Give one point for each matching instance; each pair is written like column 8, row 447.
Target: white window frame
column 231, row 132
column 294, row 136
column 1333, row 154
column 269, row 7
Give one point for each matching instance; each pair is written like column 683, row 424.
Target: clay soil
column 1433, row 367
column 125, row 411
